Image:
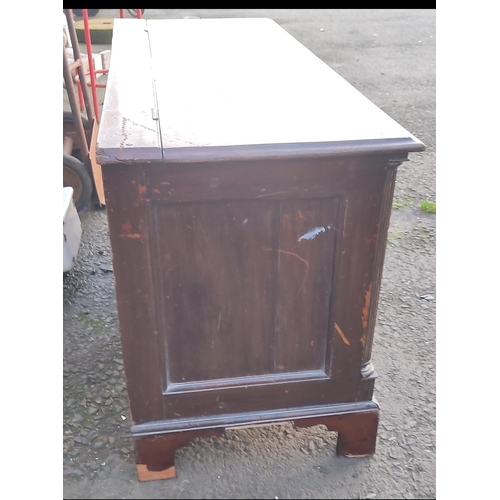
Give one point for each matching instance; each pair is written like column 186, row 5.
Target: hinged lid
column 203, row 89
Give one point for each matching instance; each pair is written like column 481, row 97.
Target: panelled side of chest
column 255, row 274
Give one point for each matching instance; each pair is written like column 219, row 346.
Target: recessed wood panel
column 305, row 273
column 244, row 291
column 216, row 289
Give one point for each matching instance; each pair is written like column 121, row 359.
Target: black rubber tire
column 75, row 175
column 69, row 124
column 68, row 117
column 133, row 12
column 91, row 12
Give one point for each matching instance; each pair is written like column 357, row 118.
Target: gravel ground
column 389, row 55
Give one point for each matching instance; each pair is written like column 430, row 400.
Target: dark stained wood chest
column 248, row 190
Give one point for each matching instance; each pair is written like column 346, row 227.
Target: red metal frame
column 68, row 78
column 88, row 42
column 92, row 71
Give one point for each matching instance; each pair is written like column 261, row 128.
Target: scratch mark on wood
column 165, row 183
column 362, row 339
column 284, row 252
column 302, row 217
column 364, row 313
column 366, row 307
column 341, row 333
column 272, row 194
column 218, row 326
column 126, row 227
column 312, row 233
column 131, row 235
column 345, row 217
column 142, row 189
column 124, row 134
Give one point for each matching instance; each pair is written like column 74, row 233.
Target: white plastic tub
column 72, row 230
